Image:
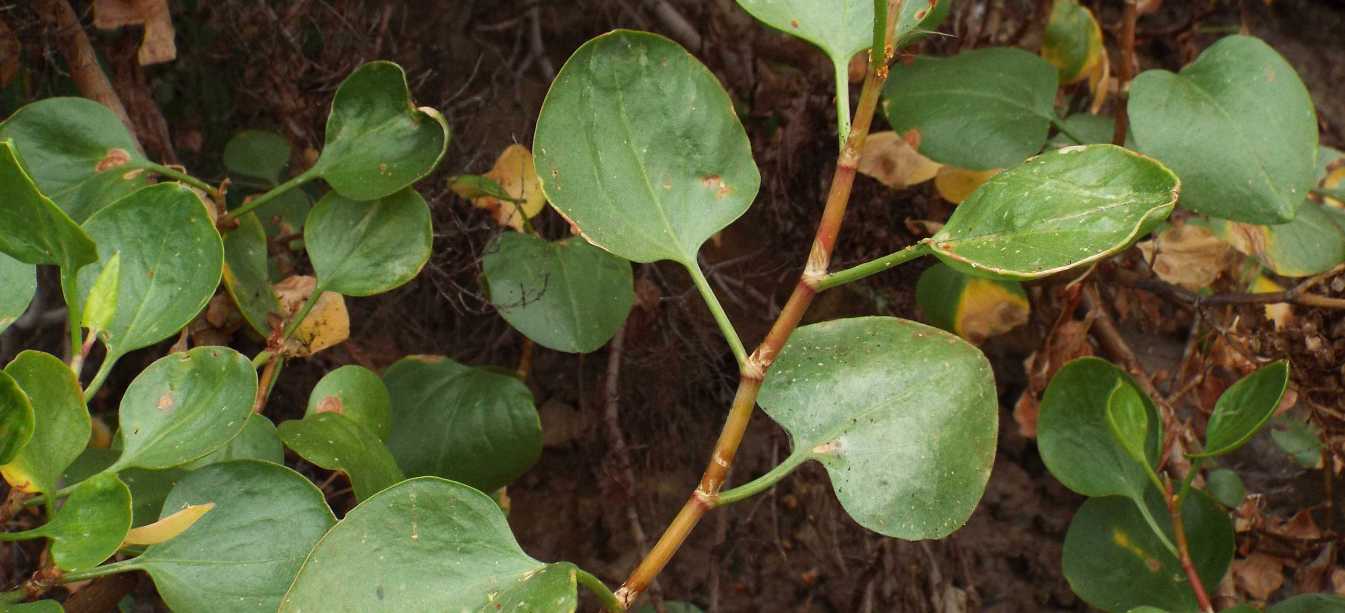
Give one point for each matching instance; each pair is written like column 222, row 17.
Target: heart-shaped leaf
column 33, row 229
column 258, row 441
column 1075, row 441
column 907, row 459
column 1073, row 41
column 357, row 393
column 16, row 419
column 983, row 109
column 171, row 259
column 1310, row 603
column 89, row 527
column 1058, row 210
column 367, row 248
column 1237, row 125
column 1312, row 243
column 246, row 275
column 61, row 422
column 567, row 295
column 258, row 155
column 80, row 154
column 336, row 442
column 20, row 282
column 378, row 142
column 1114, row 561
column 243, row 553
column 184, row 406
column 638, row 145
column 469, row 424
column 399, row 551
column 1244, row 408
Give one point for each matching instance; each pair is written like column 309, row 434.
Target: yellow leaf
column 515, row 174
column 989, row 308
column 893, row 160
column 1280, row 312
column 1188, row 255
column 327, row 325
column 168, row 527
column 956, row 184
column 1334, row 180
column 1100, row 84
column 1073, row 41
column 18, row 479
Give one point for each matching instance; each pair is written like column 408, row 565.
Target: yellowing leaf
column 327, row 325
column 1100, row 84
column 971, row 307
column 956, row 184
column 894, row 161
column 1188, row 255
column 515, row 174
column 158, row 45
column 1073, row 42
column 1280, row 312
column 1334, row 180
column 168, row 527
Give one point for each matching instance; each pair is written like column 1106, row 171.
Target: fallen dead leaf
column 1258, row 575
column 159, row 44
column 167, row 528
column 516, row 176
column 893, row 160
column 327, row 325
column 1188, row 255
column 957, row 184
column 1281, row 313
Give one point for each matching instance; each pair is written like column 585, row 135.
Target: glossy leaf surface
column 336, row 442
column 1128, row 420
column 89, row 527
column 33, row 229
column 246, row 275
column 906, row 459
column 357, row 393
column 257, row 441
column 20, row 282
column 61, row 422
column 16, row 418
column 1244, row 407
column 366, row 248
column 149, row 488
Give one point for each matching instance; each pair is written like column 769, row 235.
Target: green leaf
column 257, row 154
column 89, row 527
column 1310, row 244
column 1091, row 129
column 1073, row 41
column 983, row 109
column 1237, row 125
column 258, row 441
column 1310, row 603
column 336, row 442
column 357, row 393
column 971, row 307
column 284, row 215
column 33, row 229
column 1114, row 561
column 1128, row 420
column 61, row 422
column 378, row 142
column 1061, row 209
column 101, row 308
column 468, row 424
column 639, row 146
column 567, row 295
column 16, row 419
column 184, row 406
column 245, row 274
column 170, row 259
column 149, row 488
column 399, row 551
column 1074, row 438
column 41, row 606
column 1244, row 408
column 1226, row 486
column 243, row 553
column 80, row 154
column 367, row 248
column 907, row 459
column 20, row 282
column 1300, row 440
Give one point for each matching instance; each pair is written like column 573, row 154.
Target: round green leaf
column 80, row 154
column 260, row 155
column 1113, row 560
column 89, row 527
column 378, row 142
column 906, row 458
column 33, row 229
column 243, row 553
column 61, row 422
column 1244, row 407
column 357, row 393
column 336, row 442
column 184, row 406
column 20, row 282
column 1075, row 441
column 246, row 276
column 1237, row 125
column 983, row 109
column 1310, row 603
column 1061, row 209
column 1226, row 486
column 366, row 248
column 639, row 146
column 16, row 418
column 258, row 441
column 1312, row 243
column 468, row 424
column 404, row 550
column 567, row 295
column 171, row 259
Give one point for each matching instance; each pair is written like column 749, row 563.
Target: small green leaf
column 336, row 442
column 1114, row 561
column 33, row 229
column 639, row 146
column 1244, row 408
column 170, row 259
column 257, row 154
column 983, row 109
column 1237, row 125
column 1301, row 440
column 398, row 551
column 89, row 527
column 1091, row 129
column 20, row 282
column 469, row 424
column 16, row 419
column 243, row 553
column 245, row 274
column 1128, row 420
column 101, row 308
column 258, row 441
column 357, row 393
column 1061, row 209
column 367, row 248
column 1073, row 41
column 1312, row 243
column 149, row 488
column 80, row 154
column 378, row 142
column 907, row 459
column 472, row 187
column 1074, row 438
column 1310, row 603
column 1226, row 486
column 567, row 295
column 61, row 422
column 184, row 406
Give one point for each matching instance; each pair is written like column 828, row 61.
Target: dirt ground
column 487, row 65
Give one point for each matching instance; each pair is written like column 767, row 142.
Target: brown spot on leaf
column 113, row 158
column 331, row 404
column 383, row 168
column 717, row 183
column 794, row 23
column 920, row 14
column 166, row 402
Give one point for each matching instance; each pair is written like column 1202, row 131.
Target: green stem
column 1153, row 525
column 99, row 377
column 304, row 310
column 1060, row 125
column 275, row 192
column 261, row 359
column 100, row 571
column 716, row 309
column 1186, row 483
column 181, row 176
column 762, row 483
column 597, row 588
column 23, row 535
column 842, row 101
column 74, row 313
column 873, row 267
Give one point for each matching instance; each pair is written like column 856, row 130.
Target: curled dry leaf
column 516, row 175
column 168, row 527
column 327, row 325
column 1280, row 312
column 892, row 159
column 956, row 184
column 1188, row 255
column 1259, row 575
column 158, row 45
